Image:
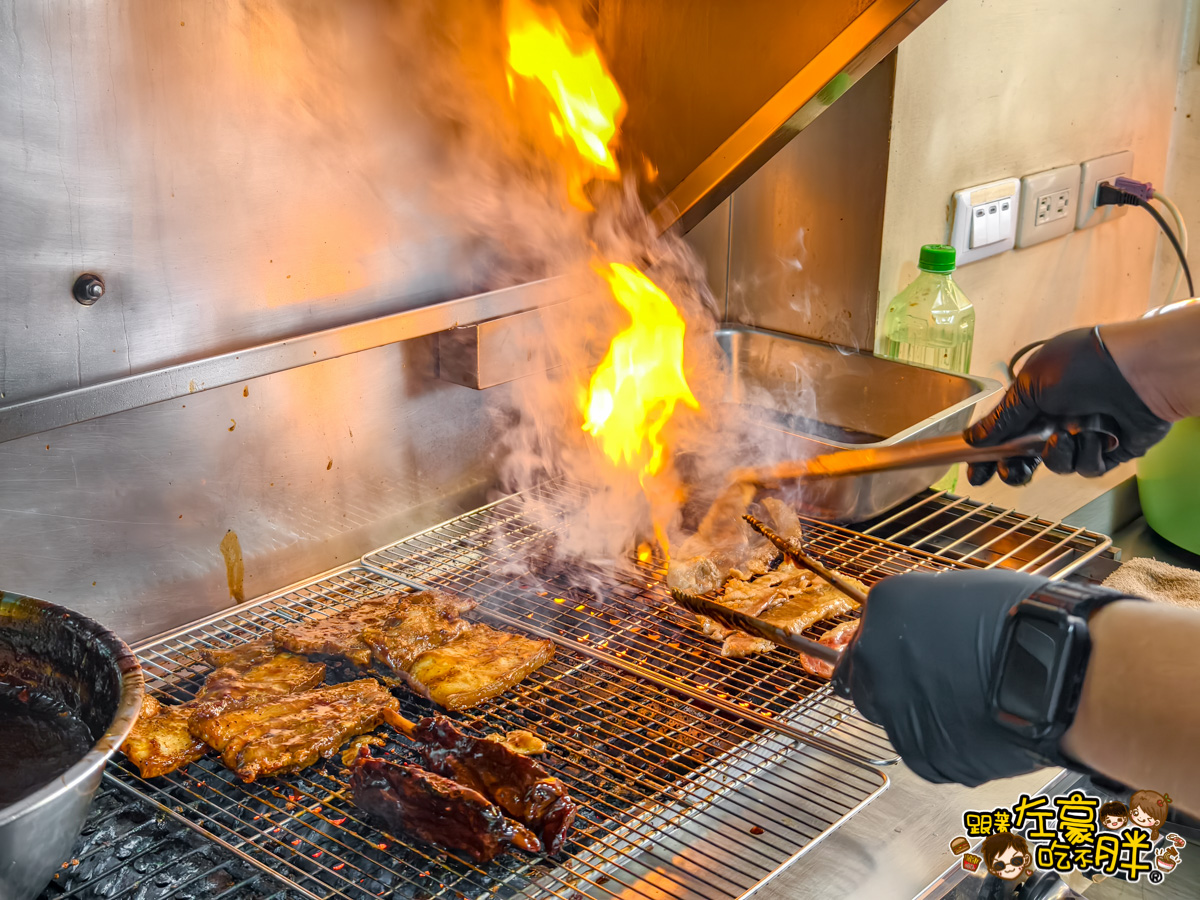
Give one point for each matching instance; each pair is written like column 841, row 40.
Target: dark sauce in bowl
column 39, row 740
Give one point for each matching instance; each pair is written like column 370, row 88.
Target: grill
column 645, row 763
column 645, row 722
column 501, row 555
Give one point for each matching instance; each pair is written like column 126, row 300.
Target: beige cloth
column 1154, row 580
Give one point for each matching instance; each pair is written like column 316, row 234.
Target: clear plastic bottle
column 931, row 322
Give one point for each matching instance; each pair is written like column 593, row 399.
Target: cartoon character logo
column 1148, row 809
column 1114, row 815
column 1005, row 854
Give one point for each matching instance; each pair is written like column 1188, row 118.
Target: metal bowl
column 93, row 673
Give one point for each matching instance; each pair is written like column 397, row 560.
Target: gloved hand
column 921, row 665
column 1071, row 380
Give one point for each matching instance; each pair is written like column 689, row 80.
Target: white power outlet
column 1103, row 168
column 1052, row 207
column 1048, row 207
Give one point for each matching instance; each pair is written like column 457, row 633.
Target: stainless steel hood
column 716, row 88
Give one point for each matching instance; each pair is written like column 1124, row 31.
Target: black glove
column 921, row 665
column 1070, row 384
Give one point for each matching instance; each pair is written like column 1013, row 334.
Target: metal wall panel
column 123, row 517
column 806, row 230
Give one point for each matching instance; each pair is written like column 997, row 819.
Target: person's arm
column 921, row 665
column 1160, row 358
column 1139, row 716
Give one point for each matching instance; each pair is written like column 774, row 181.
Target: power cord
column 1127, row 192
column 1181, row 231
column 1114, row 195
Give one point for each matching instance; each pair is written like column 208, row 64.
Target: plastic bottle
column 931, row 322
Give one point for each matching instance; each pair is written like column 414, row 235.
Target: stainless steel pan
column 86, row 668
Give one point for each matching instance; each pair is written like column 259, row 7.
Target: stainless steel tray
column 806, row 397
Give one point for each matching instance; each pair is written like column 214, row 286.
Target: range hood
column 716, row 88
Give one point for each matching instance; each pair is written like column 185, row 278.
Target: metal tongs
column 748, row 624
column 913, row 455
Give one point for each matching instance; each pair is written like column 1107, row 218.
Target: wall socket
column 1051, row 207
column 1048, row 205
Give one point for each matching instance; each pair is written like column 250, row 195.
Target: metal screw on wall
column 88, row 288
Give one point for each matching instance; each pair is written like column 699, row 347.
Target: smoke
column 377, row 149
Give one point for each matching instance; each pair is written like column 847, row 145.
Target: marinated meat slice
column 435, row 809
column 241, row 657
column 756, row 596
column 288, row 734
column 342, row 633
column 523, row 742
column 519, row 785
column 425, row 621
column 275, row 675
column 837, row 637
column 160, row 741
column 721, row 543
column 476, row 666
column 798, row 611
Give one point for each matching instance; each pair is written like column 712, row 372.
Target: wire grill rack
column 129, row 850
column 644, row 763
column 503, row 556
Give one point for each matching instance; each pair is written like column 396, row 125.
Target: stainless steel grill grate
column 131, row 851
column 645, row 764
column 502, row 555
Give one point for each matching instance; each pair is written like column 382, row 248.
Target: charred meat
column 436, row 809
column 519, row 785
column 342, row 633
column 477, row 665
column 290, row 733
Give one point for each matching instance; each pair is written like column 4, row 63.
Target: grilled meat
column 519, row 785
column 435, row 809
column 292, row 732
column 424, row 621
column 721, row 543
column 837, row 637
column 342, row 633
column 275, row 675
column 796, row 603
column 753, row 596
column 477, row 665
column 242, row 656
column 160, row 741
column 520, row 741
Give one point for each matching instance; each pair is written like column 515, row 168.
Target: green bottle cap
column 936, row 258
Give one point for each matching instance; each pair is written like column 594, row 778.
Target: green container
column 1168, row 478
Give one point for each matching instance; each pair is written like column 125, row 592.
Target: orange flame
column 640, row 380
column 588, row 105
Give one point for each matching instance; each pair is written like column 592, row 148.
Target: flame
column 634, row 392
column 588, row 105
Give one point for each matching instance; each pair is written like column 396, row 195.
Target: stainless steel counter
column 899, row 844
